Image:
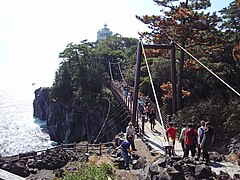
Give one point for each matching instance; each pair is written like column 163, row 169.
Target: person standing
column 171, row 133
column 182, row 136
column 200, row 138
column 152, row 117
column 190, row 140
column 125, row 150
column 130, row 134
column 207, row 141
column 148, row 109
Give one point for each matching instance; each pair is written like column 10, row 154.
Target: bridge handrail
column 118, row 87
column 71, row 146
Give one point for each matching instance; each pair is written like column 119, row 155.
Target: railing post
column 74, row 145
column 87, row 147
column 100, row 148
column 143, row 120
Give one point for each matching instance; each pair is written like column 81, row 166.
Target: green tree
column 80, row 75
column 231, row 28
column 183, row 23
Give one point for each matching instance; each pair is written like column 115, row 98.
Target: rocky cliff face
column 72, row 122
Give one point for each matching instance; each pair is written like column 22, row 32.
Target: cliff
column 73, row 121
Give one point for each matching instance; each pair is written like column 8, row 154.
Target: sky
column 34, row 32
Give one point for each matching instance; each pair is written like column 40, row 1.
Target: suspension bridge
column 130, row 96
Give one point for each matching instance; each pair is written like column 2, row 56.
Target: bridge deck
column 157, row 140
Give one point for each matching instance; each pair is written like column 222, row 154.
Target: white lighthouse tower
column 104, row 33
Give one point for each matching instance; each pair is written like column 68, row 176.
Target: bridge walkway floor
column 156, row 138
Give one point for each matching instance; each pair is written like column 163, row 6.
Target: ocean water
column 19, row 131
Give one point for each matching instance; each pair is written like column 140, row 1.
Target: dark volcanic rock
column 73, row 121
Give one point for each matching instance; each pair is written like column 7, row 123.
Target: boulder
column 140, row 163
column 203, row 172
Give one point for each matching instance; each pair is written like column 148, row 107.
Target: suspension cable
column 104, row 123
column 113, row 127
column 208, row 69
column 110, row 70
column 121, row 73
column 154, row 92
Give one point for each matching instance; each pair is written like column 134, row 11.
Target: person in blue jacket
column 125, row 150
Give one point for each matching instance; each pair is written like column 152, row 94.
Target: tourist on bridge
column 141, row 108
column 207, row 141
column 130, row 135
column 148, row 108
column 152, row 117
column 190, row 140
column 182, row 136
column 201, row 130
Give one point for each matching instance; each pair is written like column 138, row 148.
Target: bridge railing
column 127, row 99
column 77, row 147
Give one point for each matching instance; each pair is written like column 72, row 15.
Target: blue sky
column 33, row 32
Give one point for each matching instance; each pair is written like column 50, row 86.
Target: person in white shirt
column 201, row 131
column 130, row 133
column 182, row 136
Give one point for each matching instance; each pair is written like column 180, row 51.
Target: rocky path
column 146, row 163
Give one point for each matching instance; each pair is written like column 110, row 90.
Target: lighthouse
column 104, row 33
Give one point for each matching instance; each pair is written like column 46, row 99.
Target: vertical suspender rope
column 110, row 70
column 121, row 73
column 154, row 92
column 208, row 69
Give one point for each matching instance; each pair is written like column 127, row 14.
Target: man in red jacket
column 171, row 133
column 190, row 140
column 171, row 137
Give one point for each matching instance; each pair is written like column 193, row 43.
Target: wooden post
column 100, row 148
column 174, row 79
column 136, row 83
column 87, row 147
column 143, row 120
column 74, row 145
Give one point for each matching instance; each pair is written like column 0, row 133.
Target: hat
column 208, row 123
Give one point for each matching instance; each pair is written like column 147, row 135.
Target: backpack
column 194, row 137
column 203, row 131
column 125, row 145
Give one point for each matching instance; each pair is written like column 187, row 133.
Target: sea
column 19, row 131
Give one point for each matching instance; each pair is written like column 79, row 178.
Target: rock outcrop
column 74, row 122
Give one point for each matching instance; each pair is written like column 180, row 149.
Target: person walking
column 190, row 140
column 182, row 136
column 125, row 150
column 171, row 136
column 152, row 117
column 130, row 135
column 171, row 133
column 207, row 141
column 201, row 130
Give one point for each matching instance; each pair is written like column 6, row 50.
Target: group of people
column 147, row 109
column 192, row 139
